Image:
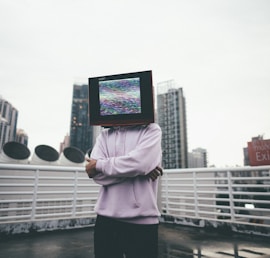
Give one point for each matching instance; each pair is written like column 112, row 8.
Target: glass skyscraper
column 81, row 133
column 8, row 122
column 171, row 110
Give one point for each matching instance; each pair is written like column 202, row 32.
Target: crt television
column 121, row 99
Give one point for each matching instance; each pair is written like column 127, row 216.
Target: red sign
column 259, row 152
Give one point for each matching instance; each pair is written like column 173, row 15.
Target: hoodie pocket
column 145, row 194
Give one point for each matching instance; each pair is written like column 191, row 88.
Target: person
column 126, row 162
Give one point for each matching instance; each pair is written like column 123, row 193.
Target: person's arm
column 99, row 152
column 140, row 161
column 92, row 172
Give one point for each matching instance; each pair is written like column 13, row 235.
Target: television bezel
column 147, row 101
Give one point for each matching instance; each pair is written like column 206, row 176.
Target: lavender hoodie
column 125, row 155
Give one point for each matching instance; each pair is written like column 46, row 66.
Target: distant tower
column 8, row 122
column 197, row 158
column 22, row 137
column 171, row 109
column 81, row 133
column 65, row 143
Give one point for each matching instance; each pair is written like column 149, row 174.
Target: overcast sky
column 218, row 51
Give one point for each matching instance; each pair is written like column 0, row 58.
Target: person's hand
column 155, row 173
column 90, row 167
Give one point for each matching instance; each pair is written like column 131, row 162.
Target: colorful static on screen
column 119, row 97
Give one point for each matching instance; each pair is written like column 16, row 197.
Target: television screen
column 121, row 99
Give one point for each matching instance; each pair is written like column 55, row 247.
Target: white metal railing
column 34, row 193
column 235, row 195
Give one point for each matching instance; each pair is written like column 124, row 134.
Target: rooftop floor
column 174, row 241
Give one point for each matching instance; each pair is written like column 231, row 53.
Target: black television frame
column 147, row 101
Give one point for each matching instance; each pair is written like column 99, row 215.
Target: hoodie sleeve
column 140, row 161
column 99, row 152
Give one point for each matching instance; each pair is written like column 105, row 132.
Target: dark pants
column 113, row 239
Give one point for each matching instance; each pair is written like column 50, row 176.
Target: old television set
column 121, row 99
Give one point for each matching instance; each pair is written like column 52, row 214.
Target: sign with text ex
column 259, row 152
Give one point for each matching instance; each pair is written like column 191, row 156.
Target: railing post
column 74, row 204
column 165, row 181
column 231, row 195
column 34, row 203
column 195, row 194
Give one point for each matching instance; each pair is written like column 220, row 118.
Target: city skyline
column 217, row 51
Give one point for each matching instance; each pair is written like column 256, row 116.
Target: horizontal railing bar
column 56, row 215
column 266, row 210
column 251, row 201
column 56, row 192
column 85, row 212
column 181, row 204
column 15, row 209
column 31, row 167
column 16, row 193
column 213, row 213
column 250, row 178
column 253, row 193
column 16, row 217
column 49, row 178
column 214, row 169
column 54, row 199
column 182, row 210
column 88, row 185
column 85, row 199
column 16, row 185
column 179, row 191
column 190, row 179
column 216, row 179
column 250, row 186
column 65, row 199
column 56, row 185
column 16, row 177
column 85, row 205
column 54, row 207
column 17, row 201
column 222, row 207
column 87, row 191
column 197, row 185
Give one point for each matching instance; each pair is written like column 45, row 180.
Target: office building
column 64, row 144
column 81, row 133
column 8, row 122
column 171, row 109
column 197, row 158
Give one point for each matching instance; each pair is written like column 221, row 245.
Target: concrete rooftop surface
column 174, row 241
